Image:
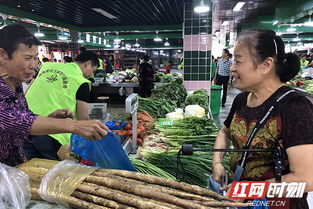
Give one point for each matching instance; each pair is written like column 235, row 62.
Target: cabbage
column 174, row 116
column 194, row 110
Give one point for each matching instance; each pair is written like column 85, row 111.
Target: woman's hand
column 218, row 173
column 90, row 129
column 61, row 113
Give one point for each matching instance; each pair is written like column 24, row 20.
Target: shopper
column 146, row 74
column 108, row 65
column 303, row 62
column 59, row 86
column 168, row 67
column 45, row 59
column 310, row 58
column 67, row 59
column 222, row 73
column 18, row 55
column 261, row 68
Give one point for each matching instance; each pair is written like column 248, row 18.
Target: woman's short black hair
column 13, row 35
column 68, row 59
column 88, row 56
column 265, row 43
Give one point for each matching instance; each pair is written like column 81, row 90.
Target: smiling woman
column 18, row 58
column 261, row 68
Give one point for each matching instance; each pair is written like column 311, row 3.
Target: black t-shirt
column 83, row 93
column 290, row 124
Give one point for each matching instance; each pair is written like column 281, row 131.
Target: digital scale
column 131, row 105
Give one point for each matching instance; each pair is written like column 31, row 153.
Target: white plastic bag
column 14, row 188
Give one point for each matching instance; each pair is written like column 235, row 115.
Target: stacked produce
column 148, row 168
column 174, row 91
column 168, row 78
column 123, row 189
column 199, row 97
column 201, row 132
column 156, row 107
column 190, row 130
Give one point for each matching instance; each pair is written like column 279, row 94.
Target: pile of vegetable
column 106, row 188
column 156, row 107
column 173, row 91
column 148, row 168
column 199, row 97
column 194, row 170
column 190, row 126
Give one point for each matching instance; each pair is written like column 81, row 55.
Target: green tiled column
column 197, row 45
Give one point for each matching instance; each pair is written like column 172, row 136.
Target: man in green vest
column 60, row 86
column 303, row 63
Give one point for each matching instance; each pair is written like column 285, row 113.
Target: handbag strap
column 260, row 123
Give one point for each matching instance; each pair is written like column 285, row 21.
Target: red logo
column 248, row 189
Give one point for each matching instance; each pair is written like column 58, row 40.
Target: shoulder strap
column 260, row 124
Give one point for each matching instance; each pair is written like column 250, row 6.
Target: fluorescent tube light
column 39, row 34
column 291, row 29
column 104, row 13
column 238, row 6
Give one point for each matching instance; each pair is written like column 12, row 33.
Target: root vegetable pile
column 106, row 188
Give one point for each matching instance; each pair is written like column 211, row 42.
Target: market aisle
column 219, row 119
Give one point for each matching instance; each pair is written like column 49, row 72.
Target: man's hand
column 61, row 113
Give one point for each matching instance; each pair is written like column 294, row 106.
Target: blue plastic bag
column 111, row 125
column 106, row 153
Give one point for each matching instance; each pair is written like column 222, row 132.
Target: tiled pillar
column 197, row 46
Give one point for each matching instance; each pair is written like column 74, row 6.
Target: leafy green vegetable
column 201, row 91
column 198, row 99
column 191, row 126
column 156, row 107
column 148, row 168
column 197, row 167
column 174, row 91
column 167, row 78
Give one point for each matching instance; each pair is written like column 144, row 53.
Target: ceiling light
column 296, row 39
column 157, row 39
column 133, row 49
column 166, row 43
column 275, row 22
column 104, row 13
column 62, row 38
column 136, row 44
column 279, row 33
column 238, row 6
column 291, row 29
column 39, row 34
column 201, row 8
column 308, row 24
column 224, row 23
column 123, row 47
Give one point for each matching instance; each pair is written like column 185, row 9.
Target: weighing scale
column 131, row 104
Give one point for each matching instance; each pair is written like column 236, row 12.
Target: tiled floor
column 219, row 119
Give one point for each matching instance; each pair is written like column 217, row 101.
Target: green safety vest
column 55, row 88
column 99, row 68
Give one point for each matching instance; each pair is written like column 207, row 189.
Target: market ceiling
column 142, row 18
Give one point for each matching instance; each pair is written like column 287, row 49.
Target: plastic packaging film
column 62, row 180
column 14, row 188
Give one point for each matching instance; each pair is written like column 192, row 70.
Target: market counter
column 114, row 91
